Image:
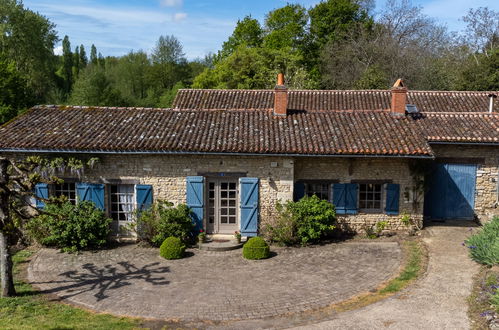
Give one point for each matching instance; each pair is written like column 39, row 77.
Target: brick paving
column 135, row 281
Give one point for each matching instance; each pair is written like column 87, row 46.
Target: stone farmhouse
column 231, row 155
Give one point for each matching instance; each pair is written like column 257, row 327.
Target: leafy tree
column 255, row 68
column 28, row 38
column 76, row 62
column 13, row 97
column 485, row 75
column 83, row 58
column 285, row 27
column 67, row 64
column 93, row 55
column 168, row 50
column 247, row 32
column 94, row 88
column 169, row 62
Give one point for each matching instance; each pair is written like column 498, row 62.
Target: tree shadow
column 106, row 278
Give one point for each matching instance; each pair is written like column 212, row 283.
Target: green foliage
column 28, row 39
column 285, row 27
column 94, row 88
column 172, row 248
column 306, row 221
column 480, row 72
column 256, row 248
column 163, row 220
column 247, row 33
column 70, row 227
column 13, row 97
column 484, row 245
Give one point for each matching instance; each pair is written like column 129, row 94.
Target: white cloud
column 58, row 50
column 172, row 3
column 177, row 17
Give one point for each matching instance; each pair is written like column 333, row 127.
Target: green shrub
column 484, row 245
column 306, row 221
column 163, row 220
column 256, row 248
column 70, row 227
column 172, row 248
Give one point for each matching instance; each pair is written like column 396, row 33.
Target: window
column 66, row 189
column 321, row 190
column 370, row 196
column 122, row 202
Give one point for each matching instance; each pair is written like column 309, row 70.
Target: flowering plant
column 201, row 236
column 237, row 235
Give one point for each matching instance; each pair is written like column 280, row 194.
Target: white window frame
column 381, row 198
column 60, row 189
column 112, row 213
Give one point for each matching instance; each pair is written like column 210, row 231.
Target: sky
column 117, row 27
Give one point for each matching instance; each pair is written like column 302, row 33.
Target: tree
column 83, row 58
column 17, row 182
column 168, row 50
column 285, row 27
column 28, row 38
column 93, row 55
column 76, row 62
column 247, row 32
column 169, row 62
column 67, row 64
column 94, row 88
column 482, row 30
column 255, row 68
column 484, row 76
column 13, row 97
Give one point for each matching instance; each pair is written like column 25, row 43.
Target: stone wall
column 486, row 196
column 346, row 170
column 167, row 174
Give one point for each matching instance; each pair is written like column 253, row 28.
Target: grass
column 484, row 299
column 415, row 257
column 411, row 269
column 31, row 310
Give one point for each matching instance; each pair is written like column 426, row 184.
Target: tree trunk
column 6, row 279
column 7, row 285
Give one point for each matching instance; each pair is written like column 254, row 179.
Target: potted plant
column 237, row 236
column 201, row 236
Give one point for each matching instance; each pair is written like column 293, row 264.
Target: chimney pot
column 399, row 97
column 280, row 97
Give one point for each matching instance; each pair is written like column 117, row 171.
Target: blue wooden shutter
column 298, row 191
column 195, row 200
column 143, row 195
column 392, row 199
column 249, row 196
column 351, row 198
column 41, row 191
column 339, row 197
column 91, row 192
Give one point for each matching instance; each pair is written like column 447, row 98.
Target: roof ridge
column 335, row 90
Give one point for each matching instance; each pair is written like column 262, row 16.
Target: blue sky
column 119, row 26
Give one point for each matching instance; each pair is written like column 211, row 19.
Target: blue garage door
column 451, row 193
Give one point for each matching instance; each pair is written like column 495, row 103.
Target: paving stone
column 135, row 281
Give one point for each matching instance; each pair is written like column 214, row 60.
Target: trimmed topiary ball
column 256, row 248
column 172, row 248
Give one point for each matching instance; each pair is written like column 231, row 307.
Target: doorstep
column 219, row 242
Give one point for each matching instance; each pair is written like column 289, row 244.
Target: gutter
column 468, row 143
column 48, row 151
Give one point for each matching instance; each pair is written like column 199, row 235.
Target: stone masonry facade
column 167, row 174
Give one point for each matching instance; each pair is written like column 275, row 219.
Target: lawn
column 31, row 310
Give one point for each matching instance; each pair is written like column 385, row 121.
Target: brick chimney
column 280, row 97
column 399, row 97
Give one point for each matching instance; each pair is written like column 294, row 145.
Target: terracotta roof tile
column 323, row 100
column 234, row 131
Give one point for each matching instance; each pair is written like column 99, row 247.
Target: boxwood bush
column 172, row 248
column 484, row 245
column 163, row 220
column 256, row 248
column 70, row 227
column 306, row 221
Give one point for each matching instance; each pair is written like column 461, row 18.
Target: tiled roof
column 322, row 100
column 461, row 127
column 234, row 131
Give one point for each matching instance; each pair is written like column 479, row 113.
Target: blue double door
column 451, row 193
